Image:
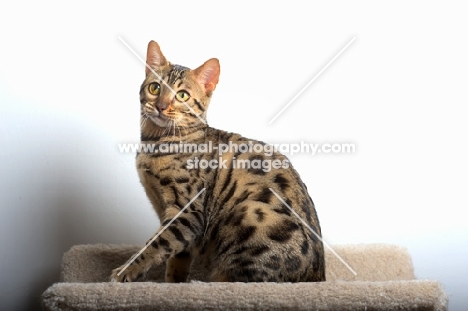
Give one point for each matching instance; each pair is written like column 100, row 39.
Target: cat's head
column 174, row 96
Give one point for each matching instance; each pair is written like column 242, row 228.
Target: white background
column 69, row 96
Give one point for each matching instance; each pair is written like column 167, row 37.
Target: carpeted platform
column 385, row 281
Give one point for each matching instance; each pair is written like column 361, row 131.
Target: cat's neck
column 152, row 132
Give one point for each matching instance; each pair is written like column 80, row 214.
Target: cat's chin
column 160, row 121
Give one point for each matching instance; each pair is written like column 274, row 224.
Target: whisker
column 180, row 133
column 174, row 132
column 143, row 120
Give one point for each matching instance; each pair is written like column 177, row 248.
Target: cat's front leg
column 178, row 268
column 136, row 267
column 177, row 238
column 130, row 273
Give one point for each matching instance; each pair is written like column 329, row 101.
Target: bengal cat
column 237, row 226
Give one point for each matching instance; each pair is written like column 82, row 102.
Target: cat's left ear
column 208, row 75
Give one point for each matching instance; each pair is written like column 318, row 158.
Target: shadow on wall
column 56, row 193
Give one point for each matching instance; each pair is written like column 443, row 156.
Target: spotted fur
column 237, row 226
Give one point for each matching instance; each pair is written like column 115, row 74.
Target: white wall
column 69, row 96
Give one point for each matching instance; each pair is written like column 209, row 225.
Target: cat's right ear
column 154, row 57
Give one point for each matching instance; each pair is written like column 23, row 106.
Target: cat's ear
column 208, row 75
column 154, row 57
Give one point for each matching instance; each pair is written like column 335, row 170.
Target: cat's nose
column 161, row 106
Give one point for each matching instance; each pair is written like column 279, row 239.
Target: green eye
column 154, row 88
column 182, row 96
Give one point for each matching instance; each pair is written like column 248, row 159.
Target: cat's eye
column 182, row 96
column 154, row 88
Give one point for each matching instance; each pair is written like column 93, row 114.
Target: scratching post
column 384, row 281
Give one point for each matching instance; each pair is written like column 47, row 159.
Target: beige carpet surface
column 384, row 281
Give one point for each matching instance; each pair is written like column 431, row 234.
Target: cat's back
column 253, row 166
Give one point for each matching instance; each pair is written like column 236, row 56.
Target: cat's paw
column 132, row 273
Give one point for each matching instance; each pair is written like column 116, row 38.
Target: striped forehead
column 175, row 74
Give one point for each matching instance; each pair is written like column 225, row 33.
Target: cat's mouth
column 160, row 119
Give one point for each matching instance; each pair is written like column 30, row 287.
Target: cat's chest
column 159, row 170
column 168, row 181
